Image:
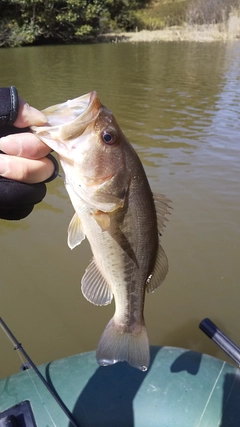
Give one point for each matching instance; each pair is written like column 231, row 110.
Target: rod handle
column 227, row 345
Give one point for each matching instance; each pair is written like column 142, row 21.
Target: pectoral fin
column 94, row 286
column 111, row 194
column 103, row 219
column 159, row 272
column 75, row 232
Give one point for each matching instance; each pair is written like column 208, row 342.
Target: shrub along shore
column 35, row 22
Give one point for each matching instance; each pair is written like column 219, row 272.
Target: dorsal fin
column 159, row 272
column 94, row 286
column 162, row 209
column 161, row 264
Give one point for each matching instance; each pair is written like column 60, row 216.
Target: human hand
column 26, row 160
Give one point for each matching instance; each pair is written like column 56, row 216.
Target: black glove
column 8, row 105
column 17, row 199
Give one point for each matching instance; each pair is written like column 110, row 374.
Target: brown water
column 179, row 104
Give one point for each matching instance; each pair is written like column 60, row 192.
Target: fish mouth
column 83, row 109
column 92, row 97
column 67, row 122
column 91, row 112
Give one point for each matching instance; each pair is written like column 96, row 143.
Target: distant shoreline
column 197, row 33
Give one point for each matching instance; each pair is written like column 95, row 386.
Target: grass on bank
column 161, row 14
column 198, row 20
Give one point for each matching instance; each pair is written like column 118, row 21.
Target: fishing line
column 28, row 370
column 18, row 346
column 39, row 394
column 31, row 377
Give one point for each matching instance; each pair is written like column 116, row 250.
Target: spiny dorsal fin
column 75, row 232
column 159, row 272
column 162, row 209
column 94, row 286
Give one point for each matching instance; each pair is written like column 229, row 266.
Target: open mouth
column 81, row 108
column 67, row 122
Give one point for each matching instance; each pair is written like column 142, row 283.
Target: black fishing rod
column 227, row 345
column 18, row 346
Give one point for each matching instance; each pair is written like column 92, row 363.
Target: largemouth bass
column 116, row 211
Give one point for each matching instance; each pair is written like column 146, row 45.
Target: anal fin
column 94, row 287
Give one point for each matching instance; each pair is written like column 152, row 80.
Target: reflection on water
column 178, row 103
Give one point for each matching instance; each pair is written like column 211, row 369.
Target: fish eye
column 108, row 137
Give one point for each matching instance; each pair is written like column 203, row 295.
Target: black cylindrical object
column 227, row 345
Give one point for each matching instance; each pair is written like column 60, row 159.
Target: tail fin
column 116, row 345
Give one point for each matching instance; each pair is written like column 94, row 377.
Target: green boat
column 182, row 388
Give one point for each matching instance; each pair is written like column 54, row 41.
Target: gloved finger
column 24, row 145
column 28, row 116
column 17, row 199
column 26, row 170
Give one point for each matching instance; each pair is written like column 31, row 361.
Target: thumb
column 29, row 116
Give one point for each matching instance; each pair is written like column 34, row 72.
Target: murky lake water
column 179, row 104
